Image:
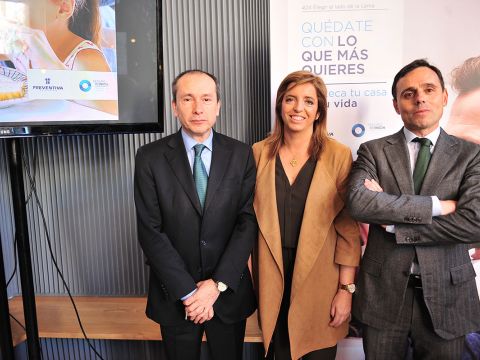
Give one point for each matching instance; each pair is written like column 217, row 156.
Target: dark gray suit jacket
column 441, row 243
column 182, row 246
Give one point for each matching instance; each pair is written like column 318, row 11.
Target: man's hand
column 372, row 185
column 199, row 306
column 476, row 254
column 448, row 206
column 202, row 317
column 341, row 307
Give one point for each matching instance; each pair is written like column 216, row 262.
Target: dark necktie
column 421, row 164
column 200, row 174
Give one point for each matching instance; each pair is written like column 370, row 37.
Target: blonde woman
column 308, row 245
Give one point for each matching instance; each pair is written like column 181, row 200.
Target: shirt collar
column 191, row 142
column 433, row 136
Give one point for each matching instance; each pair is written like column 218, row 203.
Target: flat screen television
column 80, row 67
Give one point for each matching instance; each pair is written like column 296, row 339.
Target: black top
column 291, row 200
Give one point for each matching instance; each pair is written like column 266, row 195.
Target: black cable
column 14, row 271
column 33, row 183
column 40, row 208
column 23, row 327
column 18, row 322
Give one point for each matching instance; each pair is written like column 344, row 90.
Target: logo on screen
column 358, row 130
column 85, row 85
column 44, row 85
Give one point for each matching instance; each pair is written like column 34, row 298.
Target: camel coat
column 328, row 238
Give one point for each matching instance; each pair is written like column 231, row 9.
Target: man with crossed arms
column 419, row 190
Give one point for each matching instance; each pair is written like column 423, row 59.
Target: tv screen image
column 80, row 66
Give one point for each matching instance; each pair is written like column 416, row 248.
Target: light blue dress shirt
column 189, row 143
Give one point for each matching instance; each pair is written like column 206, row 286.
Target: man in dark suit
column 196, row 225
column 419, row 190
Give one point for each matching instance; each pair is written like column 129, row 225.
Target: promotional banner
column 345, row 43
column 357, row 47
column 75, row 85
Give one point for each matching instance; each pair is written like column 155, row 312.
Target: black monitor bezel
column 22, row 129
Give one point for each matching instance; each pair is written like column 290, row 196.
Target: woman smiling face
column 300, row 108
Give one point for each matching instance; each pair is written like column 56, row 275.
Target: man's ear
column 174, row 108
column 219, row 105
column 445, row 97
column 395, row 105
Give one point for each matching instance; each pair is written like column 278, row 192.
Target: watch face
column 221, row 286
column 349, row 287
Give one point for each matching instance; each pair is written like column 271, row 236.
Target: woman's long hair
column 319, row 135
column 85, row 21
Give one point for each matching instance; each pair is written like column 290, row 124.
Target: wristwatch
column 348, row 287
column 221, row 286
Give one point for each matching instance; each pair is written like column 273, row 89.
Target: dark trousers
column 225, row 341
column 280, row 347
column 414, row 329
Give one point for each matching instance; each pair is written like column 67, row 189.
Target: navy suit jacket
column 184, row 245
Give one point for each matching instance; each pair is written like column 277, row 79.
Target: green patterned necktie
column 421, row 164
column 200, row 175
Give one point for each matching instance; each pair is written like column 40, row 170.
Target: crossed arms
column 412, row 214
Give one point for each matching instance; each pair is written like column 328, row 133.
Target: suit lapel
column 220, row 159
column 178, row 161
column 442, row 160
column 265, row 205
column 321, row 207
column 399, row 161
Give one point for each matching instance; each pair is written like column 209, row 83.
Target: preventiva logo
column 85, row 85
column 48, row 86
